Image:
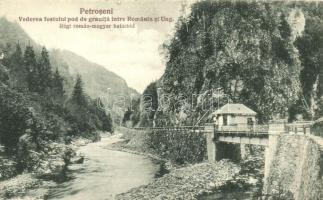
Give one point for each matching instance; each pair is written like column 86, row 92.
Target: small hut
column 234, row 115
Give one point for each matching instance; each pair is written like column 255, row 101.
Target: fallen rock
column 79, row 159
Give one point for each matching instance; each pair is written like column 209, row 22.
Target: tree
column 18, row 72
column 149, row 103
column 31, row 67
column 13, row 119
column 310, row 47
column 57, row 84
column 45, row 72
column 16, row 59
column 78, row 95
column 104, row 118
column 85, row 115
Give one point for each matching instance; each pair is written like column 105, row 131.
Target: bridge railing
column 289, row 128
column 298, row 128
column 243, row 128
column 165, row 128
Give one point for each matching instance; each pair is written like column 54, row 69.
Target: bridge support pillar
column 210, row 143
column 243, row 151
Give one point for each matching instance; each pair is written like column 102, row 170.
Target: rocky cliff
column 256, row 53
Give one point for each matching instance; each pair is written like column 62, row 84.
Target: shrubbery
column 317, row 129
column 13, row 119
column 180, row 146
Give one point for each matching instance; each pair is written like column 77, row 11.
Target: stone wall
column 296, row 168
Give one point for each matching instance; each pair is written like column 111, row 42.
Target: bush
column 49, row 162
column 180, row 146
column 17, row 186
column 14, row 117
column 317, row 129
column 7, row 168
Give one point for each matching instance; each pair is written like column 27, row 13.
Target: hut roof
column 231, row 108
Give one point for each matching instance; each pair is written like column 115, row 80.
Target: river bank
column 28, row 186
column 219, row 180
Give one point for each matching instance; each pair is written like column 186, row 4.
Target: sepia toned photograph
column 161, row 100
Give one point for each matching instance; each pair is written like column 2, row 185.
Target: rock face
column 296, row 169
column 185, row 183
column 228, row 51
column 243, row 52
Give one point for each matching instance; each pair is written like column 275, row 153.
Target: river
column 104, row 173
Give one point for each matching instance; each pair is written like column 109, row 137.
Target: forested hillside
column 96, row 77
column 38, row 118
column 98, row 81
column 267, row 56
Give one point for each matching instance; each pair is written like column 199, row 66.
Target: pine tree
column 78, row 96
column 57, row 87
column 30, row 65
column 104, row 118
column 45, row 73
column 57, row 83
column 16, row 59
column 18, row 72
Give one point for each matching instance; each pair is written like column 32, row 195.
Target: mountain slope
column 97, row 79
column 11, row 33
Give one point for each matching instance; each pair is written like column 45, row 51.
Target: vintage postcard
column 161, row 100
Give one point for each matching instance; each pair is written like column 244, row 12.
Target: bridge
column 242, row 133
column 256, row 134
column 267, row 136
column 263, row 135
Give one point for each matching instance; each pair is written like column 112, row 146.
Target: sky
column 133, row 54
